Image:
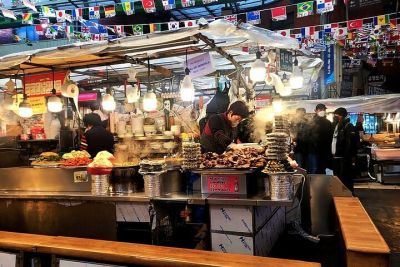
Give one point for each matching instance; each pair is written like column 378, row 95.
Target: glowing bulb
column 296, row 79
column 54, row 104
column 132, row 94
column 258, row 71
column 187, row 89
column 278, row 106
column 150, row 101
column 108, row 102
column 286, row 91
column 25, row 109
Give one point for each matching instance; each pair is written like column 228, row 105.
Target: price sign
column 285, row 60
column 222, row 183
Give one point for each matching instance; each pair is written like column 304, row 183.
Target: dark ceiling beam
column 173, row 16
column 72, row 3
column 183, row 14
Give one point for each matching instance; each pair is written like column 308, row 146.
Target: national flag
column 354, row 24
column 69, row 29
column 155, row 27
column 285, row 33
column 190, row 23
column 77, row 14
column 128, row 7
column 8, row 13
column 318, row 35
column 341, row 33
column 149, row 6
column 297, row 36
column 381, row 20
column 85, row 29
column 253, row 17
column 94, row 12
column 188, row 3
column 305, row 9
column 231, row 18
column 331, row 28
column 27, row 18
column 102, row 29
column 307, row 31
column 96, row 37
column 324, row 6
column 119, row 29
column 173, row 25
column 168, row 4
column 39, row 29
column 28, row 4
column 54, row 29
column 109, row 11
column 47, row 11
column 278, row 13
column 393, row 23
column 60, row 15
column 137, row 29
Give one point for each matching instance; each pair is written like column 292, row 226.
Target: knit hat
column 341, row 112
column 320, row 107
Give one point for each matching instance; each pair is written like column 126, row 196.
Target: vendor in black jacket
column 220, row 129
column 97, row 137
column 345, row 143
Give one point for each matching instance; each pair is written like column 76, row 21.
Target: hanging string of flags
column 150, row 6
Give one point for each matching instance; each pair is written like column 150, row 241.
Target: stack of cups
column 152, row 185
column 100, row 184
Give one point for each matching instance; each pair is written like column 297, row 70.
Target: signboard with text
column 38, row 104
column 285, row 60
column 200, row 65
column 329, row 64
column 222, row 183
column 42, row 84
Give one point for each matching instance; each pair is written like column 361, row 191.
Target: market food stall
column 157, row 187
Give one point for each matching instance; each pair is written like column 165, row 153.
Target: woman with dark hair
column 97, row 137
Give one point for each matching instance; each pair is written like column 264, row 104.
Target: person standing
column 220, row 129
column 320, row 141
column 97, row 137
column 300, row 131
column 344, row 148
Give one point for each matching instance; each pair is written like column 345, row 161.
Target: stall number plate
column 80, row 177
column 222, row 183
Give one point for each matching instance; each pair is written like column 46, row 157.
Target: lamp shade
column 25, row 109
column 296, row 79
column 108, row 102
column 132, row 94
column 150, row 101
column 258, row 71
column 187, row 89
column 54, row 104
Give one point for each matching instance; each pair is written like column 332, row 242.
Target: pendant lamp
column 150, row 98
column 54, row 103
column 258, row 71
column 296, row 79
column 186, row 86
column 25, row 109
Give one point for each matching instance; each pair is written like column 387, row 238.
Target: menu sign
column 285, row 60
column 375, row 84
column 38, row 104
column 42, row 84
column 222, row 183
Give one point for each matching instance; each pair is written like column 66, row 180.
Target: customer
column 344, row 148
column 221, row 129
column 300, row 129
column 97, row 137
column 320, row 141
column 95, row 108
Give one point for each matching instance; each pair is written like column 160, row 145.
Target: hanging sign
column 285, row 60
column 263, row 101
column 354, row 4
column 329, row 64
column 41, row 84
column 38, row 104
column 200, row 65
column 316, row 89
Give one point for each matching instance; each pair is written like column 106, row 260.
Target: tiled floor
column 382, row 202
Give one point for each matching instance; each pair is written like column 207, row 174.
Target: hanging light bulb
column 296, row 79
column 25, row 109
column 286, row 90
column 150, row 98
column 277, row 105
column 150, row 101
column 132, row 93
column 108, row 102
column 258, row 71
column 54, row 103
column 187, row 87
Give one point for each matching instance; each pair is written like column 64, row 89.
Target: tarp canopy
column 389, row 103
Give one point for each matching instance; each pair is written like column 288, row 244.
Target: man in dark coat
column 300, row 129
column 97, row 137
column 220, row 129
column 320, row 141
column 345, row 144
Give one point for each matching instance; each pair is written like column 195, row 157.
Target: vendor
column 97, row 137
column 220, row 129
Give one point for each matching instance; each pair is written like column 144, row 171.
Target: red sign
column 42, row 84
column 222, row 183
column 262, row 101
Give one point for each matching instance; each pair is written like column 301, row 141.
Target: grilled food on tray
column 47, row 159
